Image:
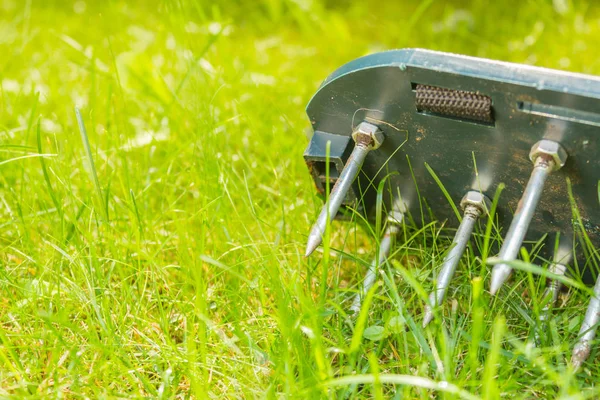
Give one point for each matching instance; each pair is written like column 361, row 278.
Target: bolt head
column 549, row 148
column 476, row 199
column 373, row 131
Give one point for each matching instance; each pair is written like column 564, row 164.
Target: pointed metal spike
column 553, row 289
column 562, row 256
column 587, row 333
column 394, row 220
column 367, row 137
column 314, row 240
column 337, row 196
column 428, row 316
column 500, row 274
column 581, row 352
column 549, row 299
column 547, row 156
column 474, row 205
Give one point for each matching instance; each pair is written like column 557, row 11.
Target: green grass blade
column 91, row 165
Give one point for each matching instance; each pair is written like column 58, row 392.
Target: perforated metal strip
column 454, row 103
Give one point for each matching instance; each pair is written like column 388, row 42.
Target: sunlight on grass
column 158, row 252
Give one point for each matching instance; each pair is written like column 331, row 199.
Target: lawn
column 159, row 252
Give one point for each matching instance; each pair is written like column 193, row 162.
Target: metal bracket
column 529, row 104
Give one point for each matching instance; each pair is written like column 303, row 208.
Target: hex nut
column 370, row 130
column 477, row 199
column 551, row 149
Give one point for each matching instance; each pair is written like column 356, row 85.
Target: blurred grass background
column 181, row 274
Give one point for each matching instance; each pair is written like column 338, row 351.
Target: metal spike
column 547, row 156
column 561, row 258
column 587, row 333
column 367, row 137
column 395, row 219
column 474, row 205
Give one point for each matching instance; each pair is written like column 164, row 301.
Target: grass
column 159, row 252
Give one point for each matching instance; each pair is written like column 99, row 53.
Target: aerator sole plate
column 465, row 152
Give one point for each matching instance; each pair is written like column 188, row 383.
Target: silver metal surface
column 384, row 251
column 394, row 221
column 587, row 333
column 474, row 205
column 367, row 137
column 544, row 164
column 528, row 104
column 551, row 293
column 561, row 258
column 368, row 133
column 549, row 299
column 548, row 148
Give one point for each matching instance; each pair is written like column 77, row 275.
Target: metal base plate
column 529, row 104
